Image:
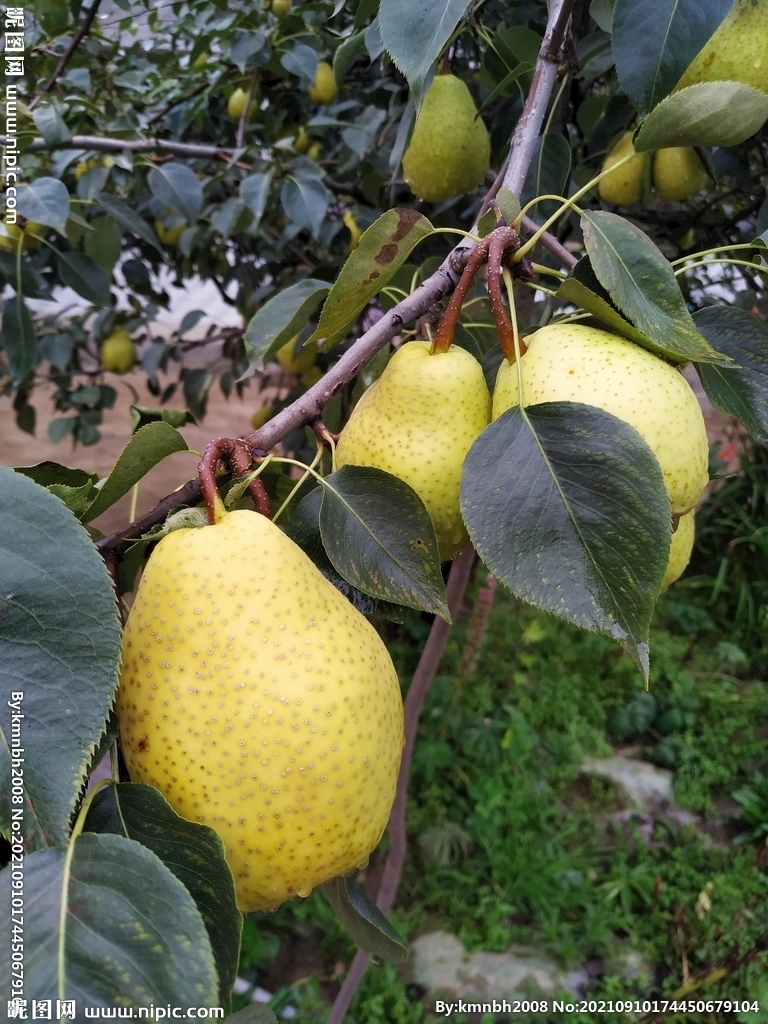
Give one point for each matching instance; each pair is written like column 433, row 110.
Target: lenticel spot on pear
column 260, row 702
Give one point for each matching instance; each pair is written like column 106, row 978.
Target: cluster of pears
column 260, row 702
column 118, row 352
column 449, row 152
column 677, row 173
column 576, row 363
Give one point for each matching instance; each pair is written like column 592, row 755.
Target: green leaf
column 280, row 319
column 364, row 921
column 344, row 56
column 46, row 201
column 253, row 192
column 176, row 185
column 142, row 415
column 132, row 933
column 509, row 204
column 255, row 1013
column 51, row 126
column 33, row 285
column 582, row 288
column 104, row 245
column 742, row 390
column 85, row 277
column 706, row 114
column 47, row 473
column 130, row 220
column 59, row 646
column 75, row 498
column 381, row 251
column 305, row 200
column 548, row 174
column 19, row 338
column 193, row 852
column 380, row 537
column 567, row 507
column 301, row 61
column 640, row 282
column 148, row 446
column 414, row 33
column 672, row 33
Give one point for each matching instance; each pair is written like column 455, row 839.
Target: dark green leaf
column 345, row 55
column 75, row 498
column 132, row 933
column 141, row 416
column 46, row 201
column 280, row 319
column 382, row 250
column 60, row 644
column 705, row 114
column 33, row 285
column 567, row 507
column 19, row 338
column 124, row 215
column 640, row 282
column 85, row 277
column 255, row 1013
column 548, row 174
column 148, row 446
column 414, row 33
column 176, row 185
column 305, row 201
column 193, row 852
column 47, row 473
column 672, row 33
column 380, row 537
column 742, row 390
column 104, row 244
column 364, row 921
column 253, row 192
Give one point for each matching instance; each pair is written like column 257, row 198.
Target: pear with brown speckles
column 417, row 422
column 260, row 702
column 573, row 363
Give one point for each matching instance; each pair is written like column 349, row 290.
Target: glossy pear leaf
column 705, row 114
column 381, row 251
column 742, row 390
column 672, row 33
column 279, row 320
column 254, row 191
column 304, row 530
column 380, row 537
column 566, row 505
column 19, row 338
column 147, row 446
column 640, row 283
column 132, row 933
column 51, row 125
column 414, row 33
column 193, row 852
column 364, row 921
column 45, row 201
column 85, row 277
column 176, row 185
column 47, row 473
column 548, row 174
column 59, row 646
column 123, row 214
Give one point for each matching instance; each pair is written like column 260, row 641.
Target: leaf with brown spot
column 382, row 250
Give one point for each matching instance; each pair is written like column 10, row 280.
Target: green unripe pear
column 678, row 173
column 737, row 51
column 118, row 353
column 236, row 105
column 417, row 422
column 680, row 549
column 281, row 7
column 449, row 152
column 573, row 363
column 324, row 89
column 261, row 703
column 625, row 185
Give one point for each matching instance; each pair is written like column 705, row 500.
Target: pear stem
column 446, row 329
column 237, row 455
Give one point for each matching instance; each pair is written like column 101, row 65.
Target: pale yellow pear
column 573, row 363
column 118, row 353
column 171, row 235
column 293, row 361
column 324, row 89
column 236, row 105
column 417, row 422
column 678, row 173
column 625, row 185
column 449, row 151
column 9, row 240
column 680, row 549
column 260, row 702
column 737, row 51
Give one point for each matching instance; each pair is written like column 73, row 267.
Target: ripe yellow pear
column 281, row 7
column 302, row 141
column 170, row 236
column 680, row 549
column 293, row 361
column 573, row 363
column 13, row 232
column 118, row 353
column 315, row 151
column 324, row 89
column 417, row 422
column 737, row 51
column 678, row 173
column 449, row 151
column 236, row 105
column 355, row 231
column 625, row 186
column 260, row 702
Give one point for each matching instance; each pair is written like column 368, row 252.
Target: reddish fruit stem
column 504, row 243
column 237, row 455
column 447, row 327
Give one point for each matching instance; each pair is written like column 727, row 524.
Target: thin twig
column 105, row 145
column 67, row 56
column 175, row 103
column 550, row 242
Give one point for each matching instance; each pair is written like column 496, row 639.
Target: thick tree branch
column 105, row 145
column 82, row 32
